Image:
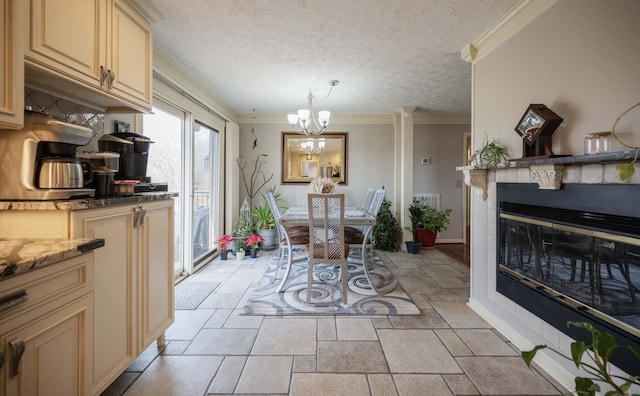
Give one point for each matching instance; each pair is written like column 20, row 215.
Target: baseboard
column 450, row 240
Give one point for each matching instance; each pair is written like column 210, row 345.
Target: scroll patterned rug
column 326, row 295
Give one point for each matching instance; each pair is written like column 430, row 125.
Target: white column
column 406, row 166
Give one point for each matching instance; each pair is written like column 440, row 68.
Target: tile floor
column 448, row 350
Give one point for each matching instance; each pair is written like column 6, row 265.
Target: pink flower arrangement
column 253, row 241
column 224, row 241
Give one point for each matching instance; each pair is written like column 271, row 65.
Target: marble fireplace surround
column 519, row 325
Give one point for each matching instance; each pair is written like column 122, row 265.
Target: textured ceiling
column 268, row 54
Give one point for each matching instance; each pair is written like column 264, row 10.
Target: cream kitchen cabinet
column 133, row 291
column 102, row 47
column 11, row 65
column 46, row 340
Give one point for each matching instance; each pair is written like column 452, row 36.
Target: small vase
column 254, row 253
column 223, row 254
column 240, row 255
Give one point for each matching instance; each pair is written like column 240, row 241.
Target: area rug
column 326, row 296
column 190, row 294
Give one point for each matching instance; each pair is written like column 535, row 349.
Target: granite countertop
column 21, row 255
column 86, row 203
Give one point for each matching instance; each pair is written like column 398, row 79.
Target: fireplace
column 573, row 254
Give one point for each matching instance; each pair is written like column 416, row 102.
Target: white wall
column 580, row 57
column 444, row 145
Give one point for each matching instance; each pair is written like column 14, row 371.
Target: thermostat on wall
column 425, row 160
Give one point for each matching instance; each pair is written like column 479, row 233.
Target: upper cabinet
column 99, row 51
column 11, row 64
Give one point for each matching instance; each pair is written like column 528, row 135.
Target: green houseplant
column 603, row 345
column 387, row 234
column 491, row 153
column 416, row 211
column 265, row 224
column 433, row 221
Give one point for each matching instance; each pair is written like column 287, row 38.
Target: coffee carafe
column 38, row 161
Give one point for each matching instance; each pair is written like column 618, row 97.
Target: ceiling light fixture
column 311, row 147
column 306, row 116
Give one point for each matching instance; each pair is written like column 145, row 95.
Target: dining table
column 298, row 215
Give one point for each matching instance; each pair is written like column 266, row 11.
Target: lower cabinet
column 46, row 341
column 133, row 290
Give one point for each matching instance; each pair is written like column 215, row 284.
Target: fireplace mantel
column 550, row 173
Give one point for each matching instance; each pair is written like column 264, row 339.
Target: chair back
column 273, row 205
column 376, row 201
column 366, row 205
column 326, row 228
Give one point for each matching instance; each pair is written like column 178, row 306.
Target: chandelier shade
column 306, row 117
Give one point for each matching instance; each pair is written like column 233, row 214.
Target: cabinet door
column 131, row 56
column 156, row 271
column 69, row 36
column 11, row 64
column 114, row 290
column 53, row 361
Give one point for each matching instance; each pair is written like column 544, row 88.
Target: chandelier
column 306, row 116
column 310, row 146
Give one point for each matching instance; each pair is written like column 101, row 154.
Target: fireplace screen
column 576, row 261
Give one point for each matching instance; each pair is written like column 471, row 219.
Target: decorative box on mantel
column 550, row 173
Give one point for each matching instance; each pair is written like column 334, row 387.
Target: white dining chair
column 291, row 239
column 355, row 236
column 326, row 237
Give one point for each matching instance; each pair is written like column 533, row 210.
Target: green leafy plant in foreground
column 597, row 366
column 387, row 234
column 625, row 171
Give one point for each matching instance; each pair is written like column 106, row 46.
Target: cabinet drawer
column 72, row 278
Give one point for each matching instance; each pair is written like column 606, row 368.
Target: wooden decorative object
column 536, row 128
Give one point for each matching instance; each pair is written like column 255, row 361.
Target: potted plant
column 223, row 242
column 265, row 224
column 241, row 230
column 602, row 345
column 491, row 153
column 387, row 234
column 253, row 242
column 433, row 220
column 416, row 209
column 239, row 248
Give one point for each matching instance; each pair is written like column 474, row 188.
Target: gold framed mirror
column 306, row 157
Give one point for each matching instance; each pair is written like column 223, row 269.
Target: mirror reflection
column 306, row 157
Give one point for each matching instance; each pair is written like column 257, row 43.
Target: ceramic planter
column 413, row 247
column 427, row 237
column 269, row 237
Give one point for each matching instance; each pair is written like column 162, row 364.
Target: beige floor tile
column 266, row 374
column 453, row 343
column 351, row 357
column 460, row 384
column 450, row 282
column 221, row 300
column 248, row 274
column 176, row 376
column 238, row 321
column 382, row 323
column 382, row 385
column 175, row 347
column 227, row 376
column 420, row 301
column 218, row 318
column 453, row 293
column 416, row 351
column 505, row 376
column 286, row 337
column 188, row 323
column 351, row 329
column 232, row 286
column 327, row 329
column 421, row 384
column 443, row 271
column 222, row 342
column 304, row 364
column 414, row 285
column 459, row 315
column 485, row 342
column 316, row 384
column 428, row 320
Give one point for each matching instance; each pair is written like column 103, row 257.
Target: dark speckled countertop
column 21, row 255
column 86, row 203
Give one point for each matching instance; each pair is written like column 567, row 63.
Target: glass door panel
column 165, row 165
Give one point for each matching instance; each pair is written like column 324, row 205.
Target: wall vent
column 432, row 200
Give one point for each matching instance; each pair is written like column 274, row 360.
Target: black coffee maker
column 134, row 154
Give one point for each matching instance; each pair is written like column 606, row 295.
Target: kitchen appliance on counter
column 101, row 168
column 38, row 161
column 134, row 153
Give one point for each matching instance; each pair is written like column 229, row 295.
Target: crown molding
column 171, row 72
column 519, row 17
column 418, row 118
column 146, row 9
